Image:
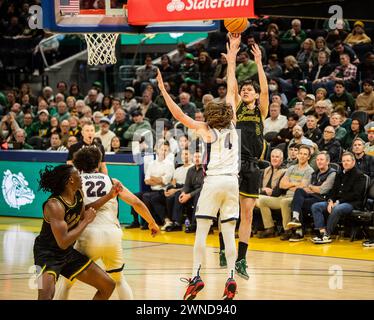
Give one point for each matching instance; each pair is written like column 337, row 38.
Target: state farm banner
column 151, row 11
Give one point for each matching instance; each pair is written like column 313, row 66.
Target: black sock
column 242, row 250
column 221, row 243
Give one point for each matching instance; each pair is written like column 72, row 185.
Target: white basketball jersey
column 222, row 154
column 95, row 186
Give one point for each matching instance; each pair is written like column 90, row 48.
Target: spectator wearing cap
column 346, row 72
column 273, row 68
column 342, row 98
column 47, row 94
column 41, row 128
column 369, row 146
column 129, row 102
column 311, row 131
column 355, row 131
column 246, row 69
column 358, row 35
column 105, row 134
column 300, row 96
column 189, row 71
column 335, row 121
column 364, row 162
column 139, row 127
column 144, row 74
column 309, row 104
column 120, row 125
column 365, row 100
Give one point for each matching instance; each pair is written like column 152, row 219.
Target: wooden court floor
column 154, row 266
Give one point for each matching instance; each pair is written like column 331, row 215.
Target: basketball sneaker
column 230, row 289
column 222, row 259
column 241, row 269
column 368, row 243
column 294, row 223
column 322, row 239
column 194, row 286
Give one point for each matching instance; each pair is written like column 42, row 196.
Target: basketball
column 236, row 25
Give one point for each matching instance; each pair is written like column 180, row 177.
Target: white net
column 101, row 48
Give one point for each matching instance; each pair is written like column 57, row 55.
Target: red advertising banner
column 142, row 12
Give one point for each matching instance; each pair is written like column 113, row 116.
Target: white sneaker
column 368, row 244
column 322, row 239
column 167, row 224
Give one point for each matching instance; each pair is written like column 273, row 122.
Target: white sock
column 228, row 232
column 296, row 215
column 202, row 230
column 124, row 290
column 63, row 287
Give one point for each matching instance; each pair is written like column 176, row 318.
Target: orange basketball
column 236, row 25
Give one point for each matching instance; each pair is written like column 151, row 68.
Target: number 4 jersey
column 95, row 186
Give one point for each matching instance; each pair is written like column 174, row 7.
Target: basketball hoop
column 101, row 48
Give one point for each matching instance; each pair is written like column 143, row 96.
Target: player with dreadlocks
column 102, row 239
column 65, row 218
column 220, row 189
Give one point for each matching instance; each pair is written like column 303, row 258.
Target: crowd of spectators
column 321, row 96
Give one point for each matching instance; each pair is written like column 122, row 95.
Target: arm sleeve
column 328, row 184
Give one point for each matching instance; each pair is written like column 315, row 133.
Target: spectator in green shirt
column 295, row 35
column 137, row 129
column 247, row 69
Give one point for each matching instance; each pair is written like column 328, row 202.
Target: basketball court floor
column 154, row 266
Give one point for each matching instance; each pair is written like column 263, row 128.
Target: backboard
column 108, row 16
